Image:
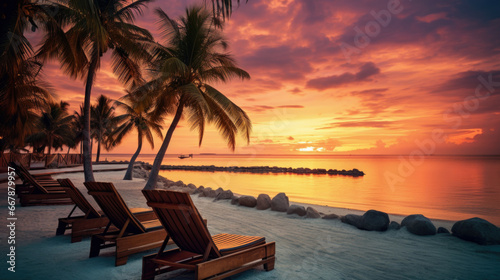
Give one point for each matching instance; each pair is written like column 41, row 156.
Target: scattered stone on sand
column 263, row 202
column 224, row 195
column 248, row 201
column 199, row 190
column 312, row 213
column 209, row 192
column 280, row 203
column 235, row 200
column 179, row 184
column 394, row 226
column 371, row 220
column 219, row 190
column 442, row 230
column 352, row 219
column 296, row 209
column 375, row 220
column 140, row 173
column 331, row 217
column 477, row 230
column 419, row 224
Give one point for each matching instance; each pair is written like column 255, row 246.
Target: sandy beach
column 306, row 248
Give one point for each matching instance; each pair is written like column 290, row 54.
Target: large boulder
column 263, row 202
column 312, row 213
column 219, row 190
column 191, row 188
column 370, row 220
column 351, row 219
column 418, row 224
column 296, row 209
column 375, row 220
column 208, row 192
column 280, row 203
column 477, row 230
column 248, row 201
column 224, row 195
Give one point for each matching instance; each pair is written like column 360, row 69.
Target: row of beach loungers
column 174, row 219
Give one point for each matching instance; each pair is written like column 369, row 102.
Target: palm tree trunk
column 50, row 144
column 87, row 151
column 155, row 169
column 98, row 149
column 128, row 174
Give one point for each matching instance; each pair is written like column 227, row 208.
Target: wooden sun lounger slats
column 130, row 236
column 214, row 257
column 92, row 222
column 32, row 192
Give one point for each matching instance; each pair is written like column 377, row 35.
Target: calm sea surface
column 440, row 187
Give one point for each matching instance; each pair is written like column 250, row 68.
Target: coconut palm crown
column 102, row 123
column 92, row 28
column 194, row 56
column 53, row 127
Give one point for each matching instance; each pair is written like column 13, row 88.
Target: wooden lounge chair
column 38, row 194
column 30, row 181
column 90, row 223
column 132, row 235
column 213, row 257
column 93, row 221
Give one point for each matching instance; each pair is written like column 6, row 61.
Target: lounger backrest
column 26, row 176
column 181, row 219
column 79, row 199
column 113, row 206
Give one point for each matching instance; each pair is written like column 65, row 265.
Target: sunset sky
column 347, row 77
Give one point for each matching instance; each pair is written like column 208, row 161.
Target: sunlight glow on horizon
column 415, row 76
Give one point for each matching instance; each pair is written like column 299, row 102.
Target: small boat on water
column 186, row 156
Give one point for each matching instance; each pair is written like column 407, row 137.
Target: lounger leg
column 95, row 246
column 61, row 228
column 121, row 260
column 76, row 239
column 148, row 268
column 270, row 265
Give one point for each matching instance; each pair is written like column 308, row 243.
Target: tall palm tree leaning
column 137, row 116
column 195, row 55
column 94, row 27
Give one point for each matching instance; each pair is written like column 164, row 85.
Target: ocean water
column 439, row 187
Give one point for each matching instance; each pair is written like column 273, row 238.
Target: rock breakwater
column 264, row 169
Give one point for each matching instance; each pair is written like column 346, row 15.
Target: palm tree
column 54, row 127
column 22, row 93
column 21, row 98
column 137, row 116
column 223, row 7
column 102, row 123
column 78, row 123
column 184, row 67
column 94, row 27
